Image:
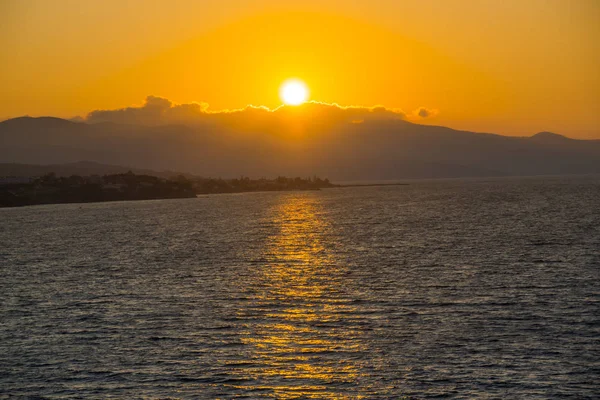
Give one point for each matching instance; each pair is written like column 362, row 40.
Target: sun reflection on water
column 298, row 344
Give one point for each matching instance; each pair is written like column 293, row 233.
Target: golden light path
column 301, row 345
column 293, row 92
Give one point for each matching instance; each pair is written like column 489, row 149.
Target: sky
column 511, row 67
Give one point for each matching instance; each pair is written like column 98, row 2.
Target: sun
column 293, row 92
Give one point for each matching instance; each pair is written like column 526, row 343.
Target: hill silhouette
column 550, row 137
column 369, row 149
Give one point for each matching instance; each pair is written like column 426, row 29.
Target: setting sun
column 314, row 198
column 293, row 92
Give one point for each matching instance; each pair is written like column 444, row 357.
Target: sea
column 457, row 289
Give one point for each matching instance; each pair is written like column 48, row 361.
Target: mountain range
column 345, row 150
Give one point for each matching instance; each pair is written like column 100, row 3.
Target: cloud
column 160, row 111
column 155, row 111
column 423, row 112
column 77, row 119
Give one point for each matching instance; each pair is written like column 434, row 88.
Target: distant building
column 113, row 186
column 11, row 180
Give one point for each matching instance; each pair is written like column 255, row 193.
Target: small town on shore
column 51, row 189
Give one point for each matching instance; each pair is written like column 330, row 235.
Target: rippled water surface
column 456, row 289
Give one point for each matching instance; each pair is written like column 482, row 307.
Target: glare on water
column 466, row 289
column 300, row 285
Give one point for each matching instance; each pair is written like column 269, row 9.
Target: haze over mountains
column 327, row 140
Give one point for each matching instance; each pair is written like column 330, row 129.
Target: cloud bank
column 160, row 111
column 423, row 112
column 155, row 111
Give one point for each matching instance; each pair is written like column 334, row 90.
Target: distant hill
column 550, row 137
column 369, row 150
column 82, row 168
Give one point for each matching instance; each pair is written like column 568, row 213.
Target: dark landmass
column 244, row 184
column 372, row 184
column 51, row 189
column 340, row 150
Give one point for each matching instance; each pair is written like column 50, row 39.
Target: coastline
column 185, row 195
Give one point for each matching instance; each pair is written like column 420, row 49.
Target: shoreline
column 372, row 184
column 202, row 195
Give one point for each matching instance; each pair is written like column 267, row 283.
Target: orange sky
column 511, row 67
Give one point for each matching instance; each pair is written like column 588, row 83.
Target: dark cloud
column 77, row 119
column 159, row 111
column 423, row 112
column 155, row 111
